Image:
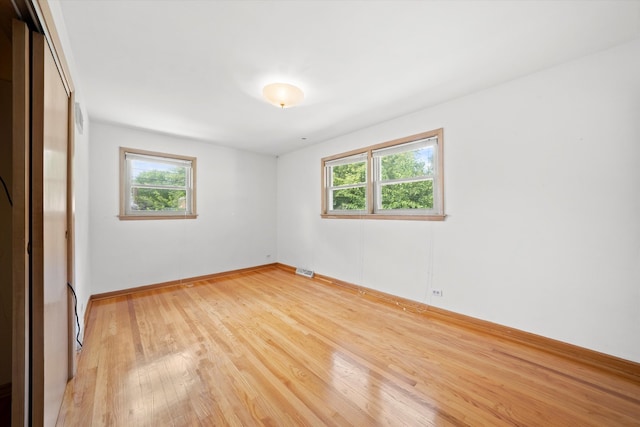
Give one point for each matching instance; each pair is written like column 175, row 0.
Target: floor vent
column 303, row 272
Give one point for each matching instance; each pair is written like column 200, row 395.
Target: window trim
column 370, row 211
column 124, row 185
column 355, row 158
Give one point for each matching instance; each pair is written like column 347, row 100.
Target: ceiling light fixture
column 283, row 95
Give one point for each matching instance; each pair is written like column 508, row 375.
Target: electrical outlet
column 436, row 292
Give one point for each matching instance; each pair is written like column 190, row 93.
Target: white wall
column 236, row 205
column 81, row 179
column 541, row 192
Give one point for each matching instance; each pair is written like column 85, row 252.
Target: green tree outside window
column 160, row 199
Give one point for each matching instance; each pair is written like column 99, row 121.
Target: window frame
column 329, row 187
column 373, row 183
column 125, row 186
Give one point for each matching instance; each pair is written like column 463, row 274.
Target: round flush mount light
column 283, row 95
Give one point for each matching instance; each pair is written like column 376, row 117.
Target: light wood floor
column 272, row 348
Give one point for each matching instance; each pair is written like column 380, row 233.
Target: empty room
column 307, row 213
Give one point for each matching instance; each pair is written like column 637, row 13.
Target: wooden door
column 49, row 139
column 20, row 226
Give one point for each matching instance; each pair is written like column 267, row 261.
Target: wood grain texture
column 6, row 219
column 271, row 348
column 37, row 268
column 53, row 39
column 5, row 404
column 144, row 288
column 606, row 362
column 55, row 217
column 49, row 326
column 71, row 236
column 20, row 219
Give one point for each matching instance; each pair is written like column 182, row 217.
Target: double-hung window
column 156, row 185
column 347, row 184
column 404, row 177
column 400, row 179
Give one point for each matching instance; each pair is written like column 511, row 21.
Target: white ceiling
column 197, row 68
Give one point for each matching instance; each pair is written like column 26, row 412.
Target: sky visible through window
column 425, row 155
column 140, row 166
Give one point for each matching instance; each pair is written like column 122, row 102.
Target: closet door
column 49, row 139
column 20, row 226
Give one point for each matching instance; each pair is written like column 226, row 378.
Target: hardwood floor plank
column 270, row 348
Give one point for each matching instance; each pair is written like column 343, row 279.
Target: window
column 156, row 185
column 400, row 179
column 347, row 186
